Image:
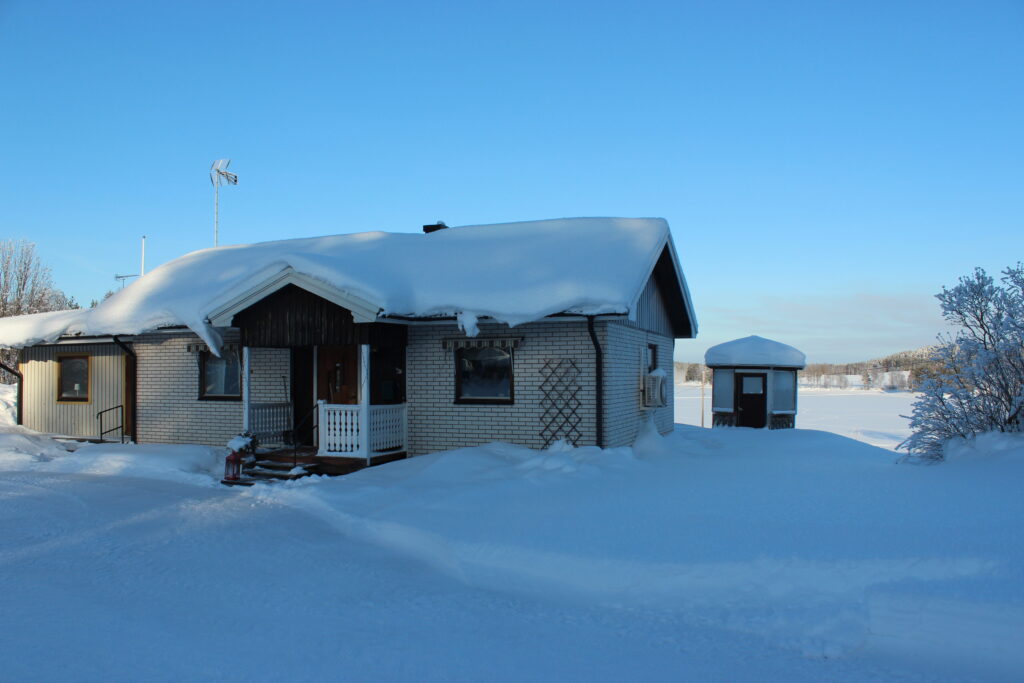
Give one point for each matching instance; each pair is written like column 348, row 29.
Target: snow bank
column 754, row 350
column 512, row 272
column 805, row 540
column 22, row 450
column 8, row 401
column 783, row 534
column 995, row 446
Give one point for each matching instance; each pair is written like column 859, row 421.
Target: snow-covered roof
column 754, row 351
column 511, row 272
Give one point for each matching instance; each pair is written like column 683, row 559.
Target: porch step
column 279, row 466
column 301, row 456
column 264, row 469
column 238, row 482
column 336, row 467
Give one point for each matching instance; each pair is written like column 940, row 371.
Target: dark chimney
column 435, row 227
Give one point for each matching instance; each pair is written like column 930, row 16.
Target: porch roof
column 511, row 272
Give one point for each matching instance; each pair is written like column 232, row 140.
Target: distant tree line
column 901, row 371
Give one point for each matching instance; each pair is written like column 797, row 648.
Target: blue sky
column 825, row 167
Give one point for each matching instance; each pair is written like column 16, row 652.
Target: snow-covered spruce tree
column 980, row 384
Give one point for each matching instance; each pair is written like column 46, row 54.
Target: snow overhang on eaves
column 363, row 311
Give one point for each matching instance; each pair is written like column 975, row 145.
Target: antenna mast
column 219, row 174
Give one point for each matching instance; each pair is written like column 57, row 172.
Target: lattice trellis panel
column 560, row 404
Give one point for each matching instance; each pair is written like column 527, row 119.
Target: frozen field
column 871, row 416
column 728, row 555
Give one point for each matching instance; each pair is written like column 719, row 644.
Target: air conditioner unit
column 655, row 393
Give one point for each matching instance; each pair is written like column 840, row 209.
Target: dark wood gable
column 672, row 294
column 292, row 317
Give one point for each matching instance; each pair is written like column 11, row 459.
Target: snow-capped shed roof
column 510, row 272
column 754, row 351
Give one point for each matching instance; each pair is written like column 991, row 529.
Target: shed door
column 751, row 406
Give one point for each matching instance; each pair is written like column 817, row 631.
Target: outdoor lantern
column 233, row 466
column 754, row 383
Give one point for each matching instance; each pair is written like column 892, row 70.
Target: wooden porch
column 344, row 404
column 338, row 430
column 286, row 464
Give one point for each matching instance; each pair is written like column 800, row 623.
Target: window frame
column 203, row 396
column 652, row 357
column 459, row 400
column 88, row 378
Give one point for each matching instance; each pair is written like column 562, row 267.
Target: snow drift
column 792, row 541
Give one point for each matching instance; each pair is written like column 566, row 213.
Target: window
column 753, row 384
column 784, row 391
column 721, row 393
column 483, row 375
column 652, row 358
column 220, row 379
column 73, row 378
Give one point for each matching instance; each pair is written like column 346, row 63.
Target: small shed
column 754, row 383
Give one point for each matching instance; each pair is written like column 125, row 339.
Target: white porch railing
column 387, row 428
column 268, row 421
column 343, row 435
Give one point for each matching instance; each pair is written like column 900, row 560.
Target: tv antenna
column 219, row 175
column 142, row 269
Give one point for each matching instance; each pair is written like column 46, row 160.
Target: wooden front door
column 337, row 374
column 751, row 401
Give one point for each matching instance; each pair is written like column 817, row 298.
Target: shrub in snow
column 980, row 385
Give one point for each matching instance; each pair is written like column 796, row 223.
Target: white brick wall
column 169, row 409
column 436, row 422
column 624, row 344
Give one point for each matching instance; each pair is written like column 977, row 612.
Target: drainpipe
column 599, row 377
column 21, row 388
column 131, row 381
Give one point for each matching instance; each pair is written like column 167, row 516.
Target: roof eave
column 363, row 311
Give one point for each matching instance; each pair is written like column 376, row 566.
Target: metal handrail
column 120, row 425
column 315, row 414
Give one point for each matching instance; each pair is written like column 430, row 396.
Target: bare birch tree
column 26, row 286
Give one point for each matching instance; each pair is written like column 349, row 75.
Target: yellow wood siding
column 42, row 410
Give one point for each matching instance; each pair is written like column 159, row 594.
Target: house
column 374, row 342
column 754, row 383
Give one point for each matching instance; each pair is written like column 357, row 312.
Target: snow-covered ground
column 871, row 415
column 795, row 555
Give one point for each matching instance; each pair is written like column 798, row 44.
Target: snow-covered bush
column 980, row 387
